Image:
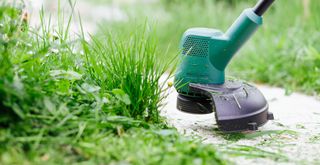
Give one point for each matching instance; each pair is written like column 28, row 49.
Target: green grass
column 68, row 100
column 129, row 65
column 285, row 52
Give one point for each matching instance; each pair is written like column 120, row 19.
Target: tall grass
column 67, row 100
column 129, row 65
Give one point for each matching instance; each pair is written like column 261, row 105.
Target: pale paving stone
column 297, row 113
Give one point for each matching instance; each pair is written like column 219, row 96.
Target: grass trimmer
column 200, row 78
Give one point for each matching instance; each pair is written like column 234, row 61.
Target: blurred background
column 284, row 52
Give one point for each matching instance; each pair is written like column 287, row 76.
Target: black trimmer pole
column 262, row 6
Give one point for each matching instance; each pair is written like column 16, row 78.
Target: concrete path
column 292, row 138
column 92, row 15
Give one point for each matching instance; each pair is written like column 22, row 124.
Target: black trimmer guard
column 238, row 106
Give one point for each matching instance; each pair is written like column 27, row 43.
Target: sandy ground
column 292, row 138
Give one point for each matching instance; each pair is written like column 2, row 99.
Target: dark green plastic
column 207, row 52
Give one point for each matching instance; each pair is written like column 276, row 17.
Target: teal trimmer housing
column 200, row 78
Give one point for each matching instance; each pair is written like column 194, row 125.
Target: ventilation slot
column 195, row 47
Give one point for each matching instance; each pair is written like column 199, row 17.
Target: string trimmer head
column 200, row 78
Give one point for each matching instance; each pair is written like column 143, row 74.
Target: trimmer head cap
column 238, row 106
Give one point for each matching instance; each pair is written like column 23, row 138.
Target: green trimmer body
column 200, row 77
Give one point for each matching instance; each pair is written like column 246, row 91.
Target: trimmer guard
column 238, row 106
